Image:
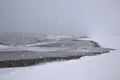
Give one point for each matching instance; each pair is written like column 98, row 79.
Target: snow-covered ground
column 101, row 67
column 3, row 46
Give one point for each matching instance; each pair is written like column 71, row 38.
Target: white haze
column 69, row 17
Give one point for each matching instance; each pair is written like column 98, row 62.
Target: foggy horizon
column 69, row 17
column 59, row 39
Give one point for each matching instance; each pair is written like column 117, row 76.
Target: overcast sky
column 71, row 17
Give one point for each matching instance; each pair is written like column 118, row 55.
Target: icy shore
column 47, row 50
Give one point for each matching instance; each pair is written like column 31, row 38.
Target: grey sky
column 71, row 17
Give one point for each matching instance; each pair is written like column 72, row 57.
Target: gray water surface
column 18, row 51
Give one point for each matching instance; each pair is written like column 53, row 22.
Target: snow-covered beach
column 105, row 66
column 47, row 49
